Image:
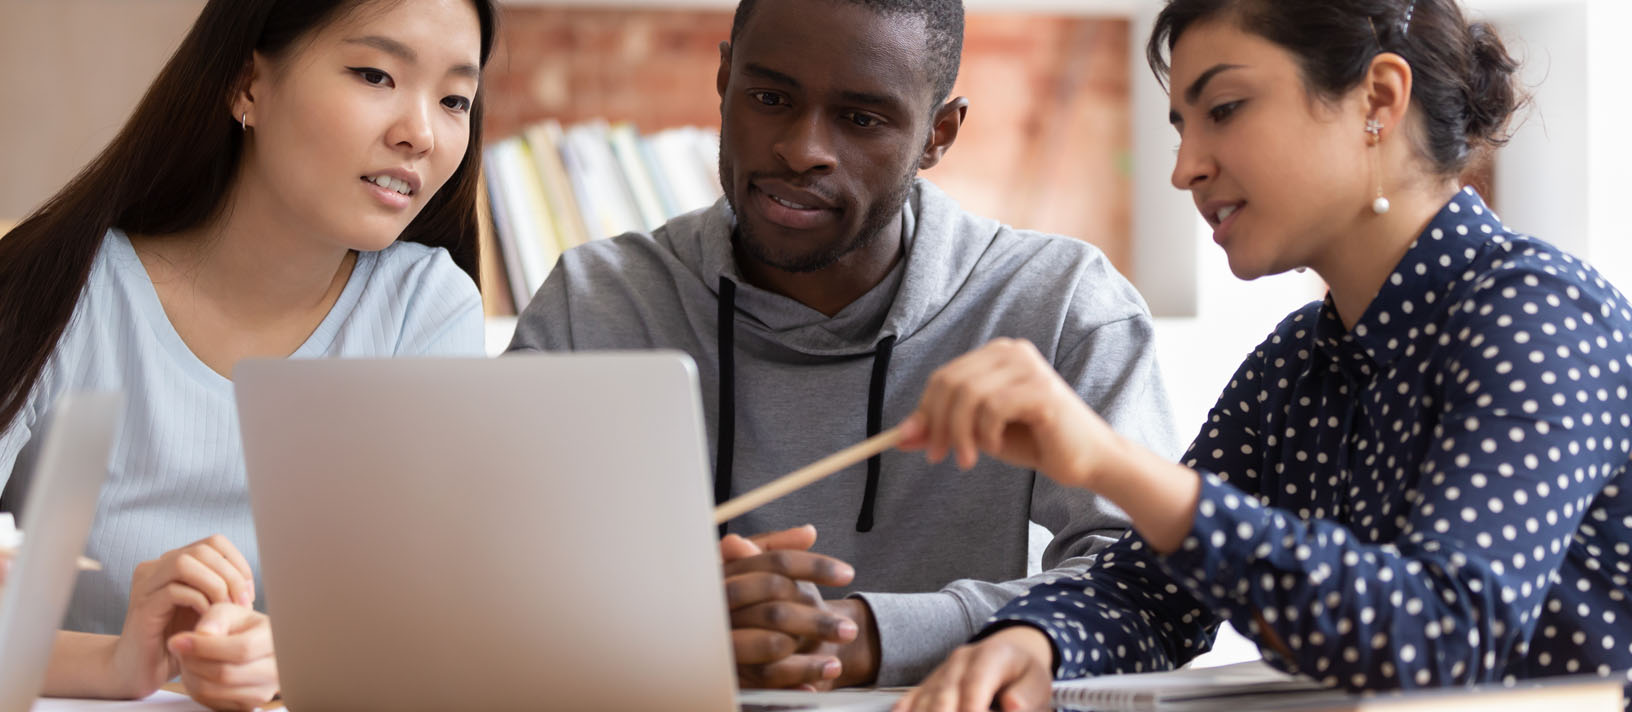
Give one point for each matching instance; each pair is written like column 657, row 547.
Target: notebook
column 1254, row 685
column 1185, row 689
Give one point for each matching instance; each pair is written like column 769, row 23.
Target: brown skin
column 828, row 105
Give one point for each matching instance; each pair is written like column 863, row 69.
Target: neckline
column 145, row 298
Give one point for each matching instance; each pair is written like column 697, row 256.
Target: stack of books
column 553, row 188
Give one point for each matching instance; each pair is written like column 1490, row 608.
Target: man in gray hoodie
column 817, row 298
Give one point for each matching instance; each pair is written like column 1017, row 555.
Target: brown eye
column 372, row 76
column 865, row 121
column 1223, row 112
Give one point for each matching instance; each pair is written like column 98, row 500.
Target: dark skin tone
column 826, row 116
column 828, row 110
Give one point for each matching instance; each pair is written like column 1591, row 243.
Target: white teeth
column 795, row 206
column 1224, row 213
column 389, row 183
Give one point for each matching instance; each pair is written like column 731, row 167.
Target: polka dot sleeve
column 1433, row 497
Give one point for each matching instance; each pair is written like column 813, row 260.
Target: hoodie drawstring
column 875, row 418
column 725, row 438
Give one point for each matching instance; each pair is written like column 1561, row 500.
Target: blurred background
column 1067, row 132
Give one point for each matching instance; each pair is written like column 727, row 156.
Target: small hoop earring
column 243, row 121
column 1374, row 127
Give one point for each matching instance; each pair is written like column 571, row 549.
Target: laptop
column 57, row 514
column 530, row 532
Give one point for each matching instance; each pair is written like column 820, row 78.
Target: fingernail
column 212, row 628
column 831, row 669
column 181, row 644
column 245, row 599
column 847, row 630
column 844, row 571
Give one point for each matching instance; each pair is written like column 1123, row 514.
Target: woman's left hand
column 1006, row 400
column 227, row 662
column 1010, row 671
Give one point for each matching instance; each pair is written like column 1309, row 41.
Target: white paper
column 161, row 701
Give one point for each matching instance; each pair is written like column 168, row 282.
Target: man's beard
column 880, row 215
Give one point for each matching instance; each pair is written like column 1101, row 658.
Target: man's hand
column 783, row 635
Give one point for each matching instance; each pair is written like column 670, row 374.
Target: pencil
column 806, row 475
column 84, row 563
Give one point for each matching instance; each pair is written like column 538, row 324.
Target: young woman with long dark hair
column 299, row 181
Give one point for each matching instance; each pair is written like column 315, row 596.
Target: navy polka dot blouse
column 1437, row 497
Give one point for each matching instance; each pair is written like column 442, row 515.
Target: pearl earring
column 1375, row 128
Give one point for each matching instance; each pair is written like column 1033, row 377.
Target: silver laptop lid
column 530, row 532
column 56, row 518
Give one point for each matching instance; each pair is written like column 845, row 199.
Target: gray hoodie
column 936, row 550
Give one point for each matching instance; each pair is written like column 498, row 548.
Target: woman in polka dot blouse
column 1420, row 481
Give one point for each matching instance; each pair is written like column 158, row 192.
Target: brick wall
column 1045, row 145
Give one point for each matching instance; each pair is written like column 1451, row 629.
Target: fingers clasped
column 227, row 660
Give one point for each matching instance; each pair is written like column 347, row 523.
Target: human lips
column 395, row 187
column 790, row 206
column 1217, row 212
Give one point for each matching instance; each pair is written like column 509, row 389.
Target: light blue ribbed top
column 178, row 470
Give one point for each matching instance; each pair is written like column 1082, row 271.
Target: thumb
column 181, row 644
column 223, row 619
column 914, row 432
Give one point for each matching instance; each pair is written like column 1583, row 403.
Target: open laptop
column 531, row 532
column 56, row 518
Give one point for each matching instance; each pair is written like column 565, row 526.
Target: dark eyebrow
column 764, row 72
column 407, row 54
column 1200, row 84
column 884, row 101
column 388, row 46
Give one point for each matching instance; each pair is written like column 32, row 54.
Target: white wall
column 1609, row 105
column 1541, row 181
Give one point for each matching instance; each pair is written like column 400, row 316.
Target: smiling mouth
column 389, row 183
column 791, row 204
column 1222, row 215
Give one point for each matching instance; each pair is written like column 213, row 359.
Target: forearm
column 1158, row 496
column 1125, row 616
column 81, row 665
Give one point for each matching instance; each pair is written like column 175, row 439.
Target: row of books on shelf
column 552, row 188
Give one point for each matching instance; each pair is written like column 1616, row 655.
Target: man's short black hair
column 943, row 22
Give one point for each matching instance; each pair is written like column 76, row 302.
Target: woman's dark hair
column 169, row 169
column 1463, row 80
